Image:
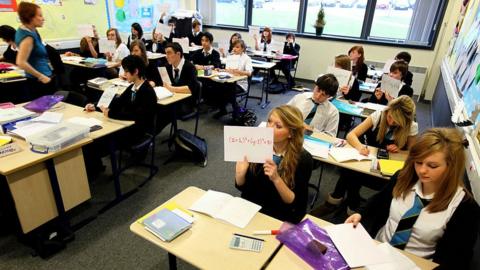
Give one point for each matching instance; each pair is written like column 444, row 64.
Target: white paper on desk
column 342, row 154
column 29, row 128
column 184, row 43
column 85, row 30
column 106, row 45
column 390, row 85
column 355, row 245
column 72, row 58
column 388, row 64
column 107, row 97
column 162, row 92
column 371, row 106
column 254, row 30
column 232, row 61
column 252, row 142
column 316, row 149
column 344, row 77
column 49, row 117
column 86, row 121
column 164, row 75
column 120, row 82
column 163, row 29
column 398, row 261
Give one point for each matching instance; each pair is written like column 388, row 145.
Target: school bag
column 244, row 117
column 191, row 145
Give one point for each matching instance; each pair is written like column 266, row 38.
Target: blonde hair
column 448, row 141
column 343, row 62
column 402, row 110
column 138, row 43
column 292, row 119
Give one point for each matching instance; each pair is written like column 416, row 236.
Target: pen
column 365, row 141
column 266, row 232
column 246, row 236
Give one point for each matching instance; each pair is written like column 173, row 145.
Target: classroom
column 239, row 134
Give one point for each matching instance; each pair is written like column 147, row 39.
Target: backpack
column 191, row 145
column 244, row 117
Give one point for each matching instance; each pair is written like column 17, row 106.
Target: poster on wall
column 8, row 5
column 90, row 2
column 48, row 2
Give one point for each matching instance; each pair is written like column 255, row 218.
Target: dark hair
column 175, row 47
column 26, row 11
column 405, row 56
column 208, row 35
column 7, row 33
column 172, row 20
column 195, row 23
column 139, row 29
column 327, row 83
column 401, row 66
column 132, row 63
column 290, row 35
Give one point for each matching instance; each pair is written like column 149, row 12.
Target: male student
column 195, row 38
column 319, row 114
column 405, row 56
column 207, row 56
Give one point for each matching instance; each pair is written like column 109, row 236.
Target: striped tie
column 310, row 115
column 404, row 228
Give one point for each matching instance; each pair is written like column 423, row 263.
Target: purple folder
column 298, row 238
column 44, row 103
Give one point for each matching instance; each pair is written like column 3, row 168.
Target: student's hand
column 88, row 39
column 169, row 87
column 388, row 97
column 192, row 44
column 89, row 107
column 222, row 51
column 255, row 37
column 355, row 219
column 392, row 148
column 152, row 83
column 345, row 89
column 44, row 79
column 69, row 54
column 307, row 127
column 109, row 56
column 378, row 93
column 199, row 67
column 105, row 111
column 363, row 150
column 270, row 170
column 242, row 166
column 122, row 76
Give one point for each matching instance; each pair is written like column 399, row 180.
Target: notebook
column 342, row 154
column 390, row 167
column 223, row 206
column 162, row 92
column 166, row 225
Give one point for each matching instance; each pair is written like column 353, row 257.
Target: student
column 121, row 52
column 349, row 92
column 266, row 39
column 359, row 68
column 424, row 208
column 7, row 34
column 195, row 38
column 292, row 48
column 136, row 33
column 280, row 185
column 32, row 55
column 318, row 113
column 233, row 38
column 207, row 57
column 151, row 73
column 238, row 63
column 405, row 56
column 159, row 42
column 136, row 103
column 398, row 70
column 393, row 129
column 89, row 46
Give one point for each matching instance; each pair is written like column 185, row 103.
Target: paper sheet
column 253, row 142
column 107, row 97
column 85, row 30
column 388, row 64
column 106, row 45
column 254, row 30
column 398, row 260
column 86, row 121
column 390, row 85
column 344, row 77
column 355, row 245
column 49, row 117
column 184, row 43
column 164, row 75
column 316, row 148
column 163, row 29
column 30, row 128
column 162, row 92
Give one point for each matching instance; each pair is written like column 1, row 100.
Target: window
column 278, row 14
column 409, row 22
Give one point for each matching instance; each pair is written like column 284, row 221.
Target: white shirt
column 179, row 67
column 121, row 52
column 241, row 62
column 326, row 117
column 260, row 46
column 376, row 120
column 209, row 51
column 428, row 228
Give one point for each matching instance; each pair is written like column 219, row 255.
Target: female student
column 121, row 52
column 425, row 208
column 7, row 34
column 89, row 46
column 264, row 43
column 136, row 33
column 359, row 68
column 393, row 129
column 398, row 70
column 233, row 38
column 195, row 37
column 280, row 185
column 238, row 63
column 151, row 73
column 292, row 48
column 32, row 55
column 349, row 92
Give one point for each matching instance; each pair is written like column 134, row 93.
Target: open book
column 223, row 206
column 342, row 154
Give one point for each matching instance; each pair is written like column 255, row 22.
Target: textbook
column 390, row 167
column 166, row 225
column 174, row 207
column 342, row 154
column 223, row 206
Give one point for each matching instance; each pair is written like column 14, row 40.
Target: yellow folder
column 390, row 167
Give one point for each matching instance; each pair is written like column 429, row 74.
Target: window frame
column 364, row 34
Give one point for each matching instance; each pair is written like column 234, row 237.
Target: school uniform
column 10, row 55
column 354, row 94
column 404, row 90
column 130, row 39
column 408, row 80
column 447, row 237
column 361, row 72
column 195, row 38
column 285, row 64
column 206, row 58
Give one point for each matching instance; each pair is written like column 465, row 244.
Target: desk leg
column 172, row 261
column 265, row 89
column 172, row 135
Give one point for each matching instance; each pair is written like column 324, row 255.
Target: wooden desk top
column 359, row 166
column 286, row 259
column 26, row 158
column 206, row 244
column 214, row 77
column 75, row 61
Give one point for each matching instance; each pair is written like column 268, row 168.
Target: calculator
column 244, row 242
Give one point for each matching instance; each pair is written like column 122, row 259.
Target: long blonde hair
column 402, row 110
column 292, row 119
column 450, row 143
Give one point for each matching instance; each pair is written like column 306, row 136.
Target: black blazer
column 198, row 58
column 152, row 73
column 361, row 72
column 197, row 40
column 354, row 94
column 408, row 78
column 292, row 50
column 188, row 76
column 405, row 90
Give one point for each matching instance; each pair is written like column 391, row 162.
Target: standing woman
column 264, row 43
column 32, row 55
column 359, row 68
column 280, row 185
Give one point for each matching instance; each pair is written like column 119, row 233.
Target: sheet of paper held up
column 390, row 85
column 107, row 97
column 163, row 29
column 344, row 77
column 355, row 245
column 184, row 43
column 254, row 30
column 253, row 142
column 106, row 45
column 164, row 75
column 388, row 64
column 85, row 30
